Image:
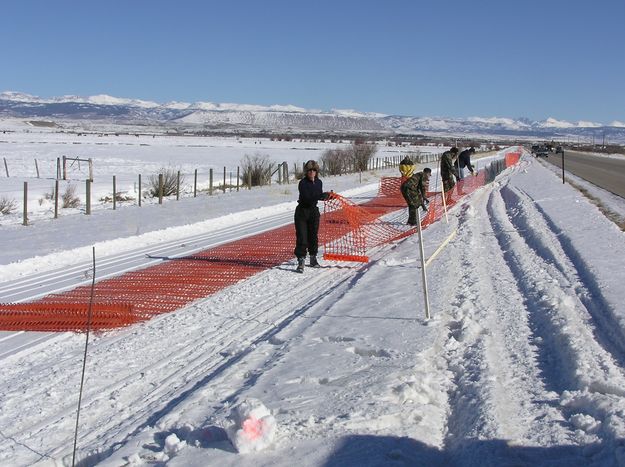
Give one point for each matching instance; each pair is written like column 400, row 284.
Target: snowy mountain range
column 285, row 118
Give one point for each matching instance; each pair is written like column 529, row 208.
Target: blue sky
column 530, row 58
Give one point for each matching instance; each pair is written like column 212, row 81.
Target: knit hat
column 406, row 167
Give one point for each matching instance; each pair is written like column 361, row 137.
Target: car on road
column 540, row 150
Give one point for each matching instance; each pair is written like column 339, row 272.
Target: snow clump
column 253, row 427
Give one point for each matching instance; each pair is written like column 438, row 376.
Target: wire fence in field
column 72, row 183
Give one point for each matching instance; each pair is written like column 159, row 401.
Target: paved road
column 605, row 172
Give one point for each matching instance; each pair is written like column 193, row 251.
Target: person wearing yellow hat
column 414, row 188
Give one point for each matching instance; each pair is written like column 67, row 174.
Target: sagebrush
column 256, row 169
column 354, row 158
column 69, row 198
column 170, row 182
column 7, row 206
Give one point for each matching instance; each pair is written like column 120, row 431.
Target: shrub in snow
column 353, row 158
column 170, row 182
column 7, row 206
column 252, row 426
column 69, row 198
column 256, row 169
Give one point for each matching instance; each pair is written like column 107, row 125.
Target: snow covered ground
column 27, row 151
column 522, row 363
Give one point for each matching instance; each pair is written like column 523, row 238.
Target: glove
column 475, row 173
column 325, row 195
column 424, row 204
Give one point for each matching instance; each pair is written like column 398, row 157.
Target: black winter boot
column 300, row 265
column 314, row 263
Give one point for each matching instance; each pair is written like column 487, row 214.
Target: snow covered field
column 27, row 149
column 523, row 362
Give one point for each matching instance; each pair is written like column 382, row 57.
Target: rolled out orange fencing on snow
column 347, row 231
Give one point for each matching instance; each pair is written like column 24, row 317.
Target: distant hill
column 206, row 116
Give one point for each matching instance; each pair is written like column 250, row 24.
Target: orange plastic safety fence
column 347, row 230
column 356, row 228
column 512, row 158
column 70, row 316
column 139, row 295
column 352, row 229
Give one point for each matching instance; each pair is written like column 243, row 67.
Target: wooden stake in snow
column 444, row 201
column 423, row 266
column 84, row 360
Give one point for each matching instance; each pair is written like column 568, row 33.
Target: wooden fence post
column 178, row 186
column 88, row 197
column 210, row 182
column 114, row 193
column 56, row 199
column 195, row 184
column 90, row 169
column 160, row 188
column 6, row 167
column 25, row 221
column 64, row 168
column 224, row 185
column 238, row 175
column 37, row 168
column 140, row 194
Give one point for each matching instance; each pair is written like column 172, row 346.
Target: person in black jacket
column 464, row 160
column 307, row 215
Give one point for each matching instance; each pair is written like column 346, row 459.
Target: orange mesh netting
column 353, row 229
column 68, row 316
column 347, row 230
column 512, row 158
column 139, row 295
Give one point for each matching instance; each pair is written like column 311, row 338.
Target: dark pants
column 412, row 208
column 448, row 184
column 306, row 231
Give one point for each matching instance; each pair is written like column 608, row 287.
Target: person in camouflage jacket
column 448, row 169
column 414, row 188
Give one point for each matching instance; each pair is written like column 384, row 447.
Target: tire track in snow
column 558, row 250
column 499, row 394
column 572, row 362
